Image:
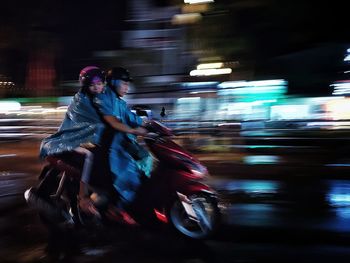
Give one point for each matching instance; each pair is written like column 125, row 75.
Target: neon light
column 254, row 90
column 189, row 99
column 210, row 65
column 261, row 159
column 258, row 83
column 289, row 112
column 199, row 84
column 203, row 91
column 329, row 123
column 191, row 2
column 341, row 88
column 339, row 198
column 210, row 72
column 6, row 106
column 186, row 18
column 36, row 99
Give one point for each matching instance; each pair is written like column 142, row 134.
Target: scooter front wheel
column 197, row 218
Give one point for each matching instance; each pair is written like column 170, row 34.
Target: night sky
column 72, row 28
column 279, row 33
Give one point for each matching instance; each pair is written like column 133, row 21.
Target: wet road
column 264, row 220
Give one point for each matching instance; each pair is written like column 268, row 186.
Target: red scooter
column 174, row 195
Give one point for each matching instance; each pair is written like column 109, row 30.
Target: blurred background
column 257, row 89
column 226, row 75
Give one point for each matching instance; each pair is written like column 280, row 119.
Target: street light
column 210, row 72
column 191, row 2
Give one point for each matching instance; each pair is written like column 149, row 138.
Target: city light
column 15, row 108
column 203, row 91
column 189, row 99
column 199, row 84
column 290, row 112
column 329, row 123
column 191, row 2
column 258, row 83
column 181, row 19
column 210, row 65
column 210, row 72
column 338, row 109
column 261, row 159
column 341, row 88
column 6, row 106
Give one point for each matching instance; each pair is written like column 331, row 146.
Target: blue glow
column 199, row 84
column 340, row 199
column 254, row 186
column 339, row 193
column 258, row 83
column 261, row 159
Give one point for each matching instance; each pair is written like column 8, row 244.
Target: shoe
column 120, row 216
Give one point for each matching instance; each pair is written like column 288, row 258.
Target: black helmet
column 117, row 73
column 87, row 74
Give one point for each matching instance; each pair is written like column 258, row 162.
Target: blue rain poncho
column 82, row 125
column 127, row 171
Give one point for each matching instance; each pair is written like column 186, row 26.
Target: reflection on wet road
column 259, row 215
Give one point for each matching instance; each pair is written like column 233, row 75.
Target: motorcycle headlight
column 198, row 173
column 193, row 167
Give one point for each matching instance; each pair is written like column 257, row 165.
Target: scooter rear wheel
column 63, row 208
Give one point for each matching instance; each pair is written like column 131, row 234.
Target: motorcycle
column 175, row 195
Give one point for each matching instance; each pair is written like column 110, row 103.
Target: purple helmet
column 90, row 74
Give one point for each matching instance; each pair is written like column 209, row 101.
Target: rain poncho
column 81, row 125
column 125, row 167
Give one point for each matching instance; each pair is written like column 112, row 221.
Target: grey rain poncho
column 81, row 125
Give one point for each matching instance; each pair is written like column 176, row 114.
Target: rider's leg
column 88, row 161
column 84, row 189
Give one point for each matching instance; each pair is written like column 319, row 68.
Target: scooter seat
column 63, row 165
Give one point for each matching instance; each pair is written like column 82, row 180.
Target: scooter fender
column 197, row 187
column 190, row 190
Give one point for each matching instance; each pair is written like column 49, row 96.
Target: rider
column 81, row 130
column 128, row 160
column 85, row 125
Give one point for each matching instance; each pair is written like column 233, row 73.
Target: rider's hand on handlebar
column 140, row 131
